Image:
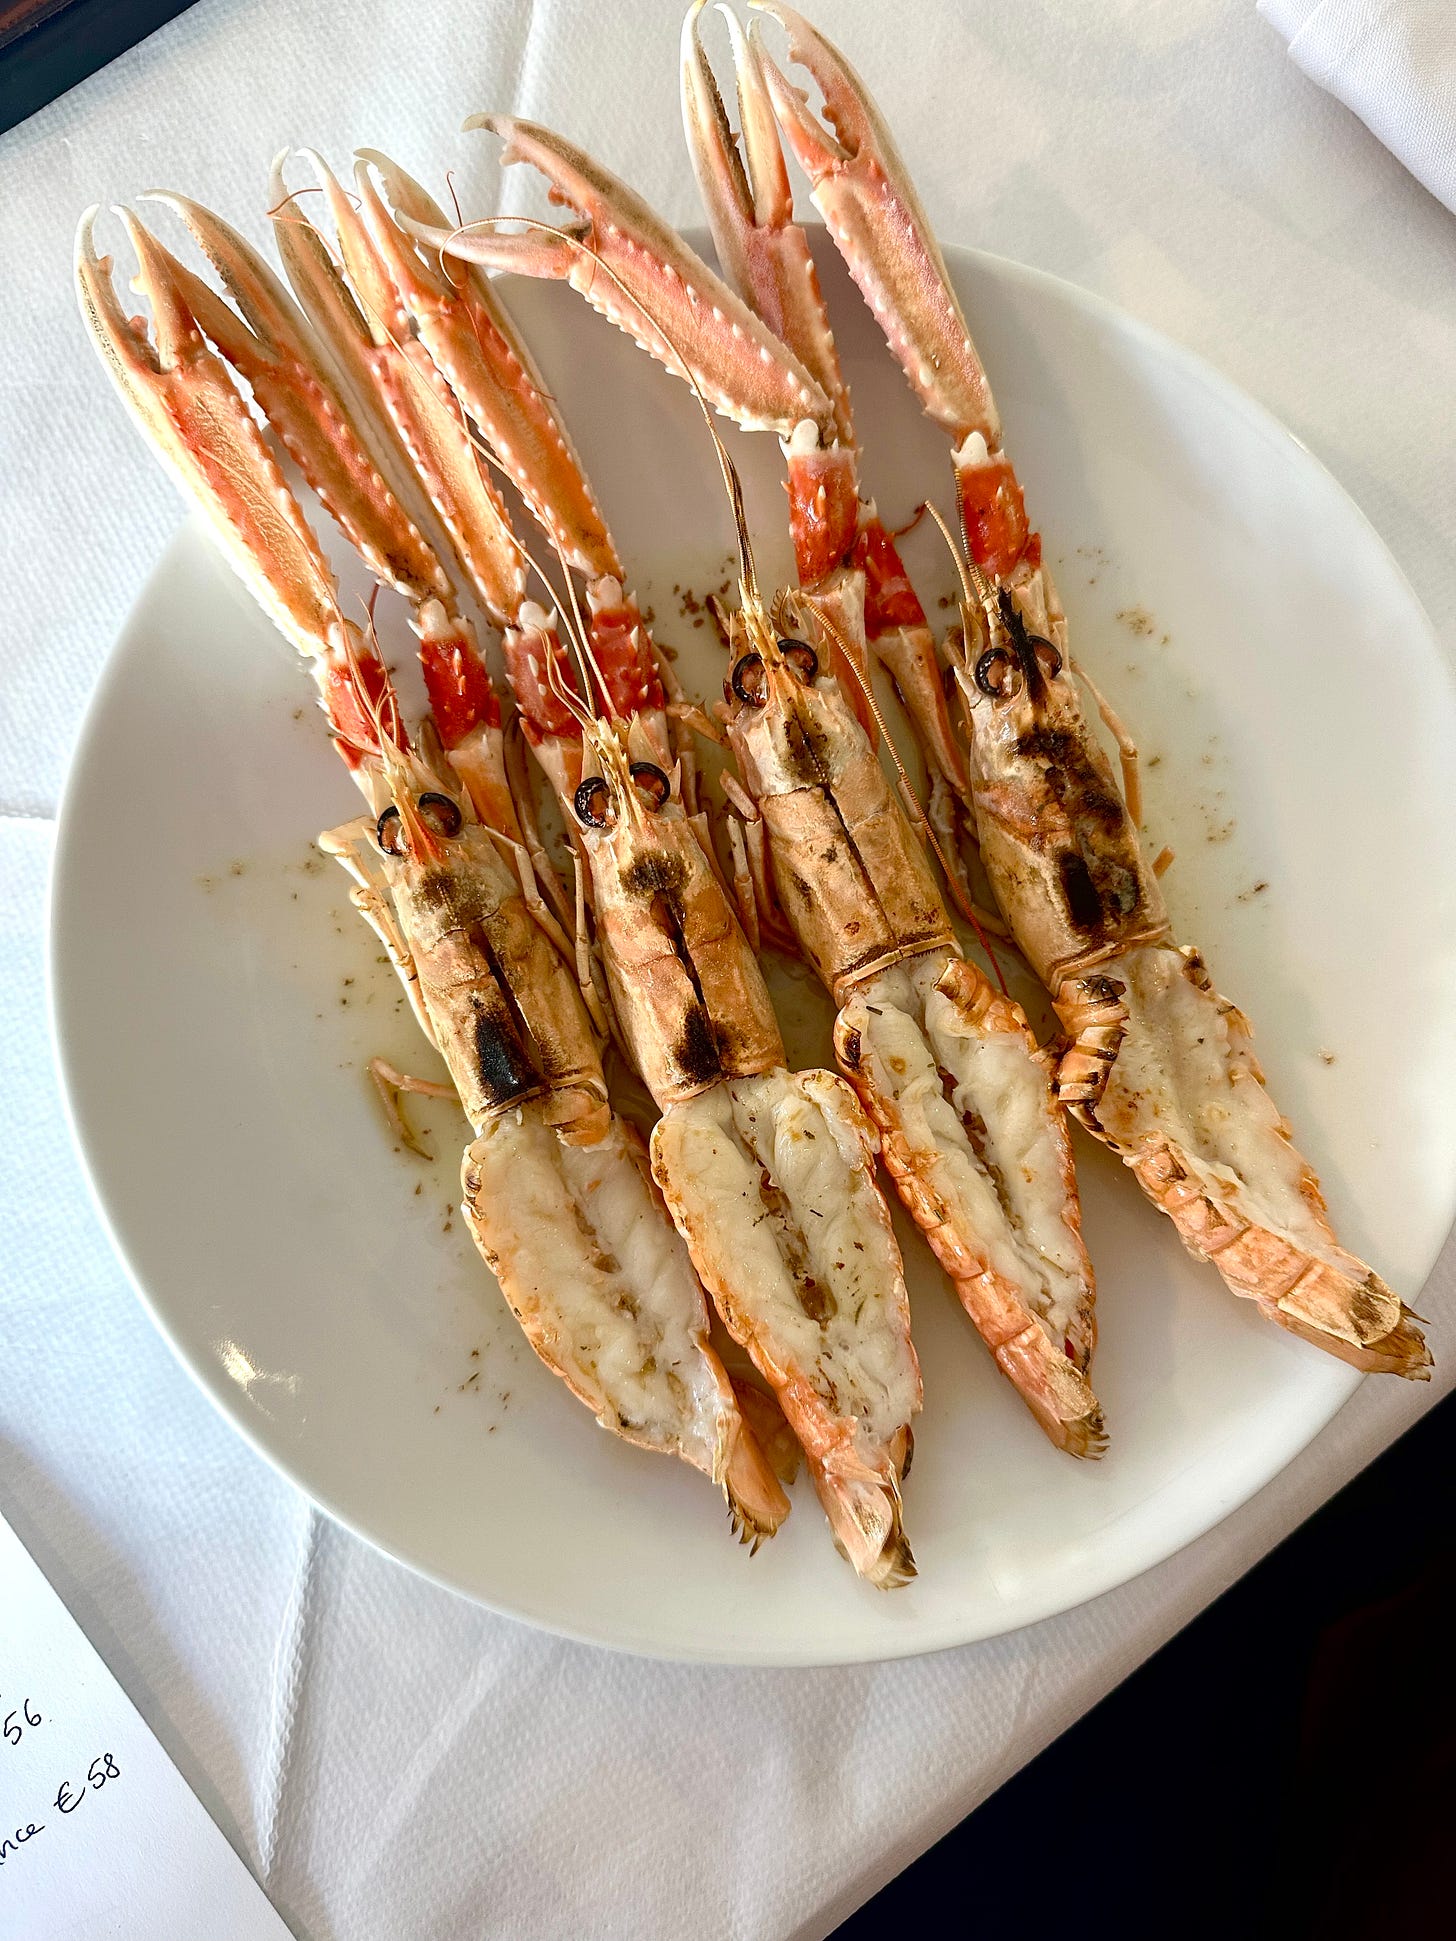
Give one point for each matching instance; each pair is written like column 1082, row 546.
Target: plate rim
column 1024, row 1612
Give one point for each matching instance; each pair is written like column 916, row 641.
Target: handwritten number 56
column 13, row 1728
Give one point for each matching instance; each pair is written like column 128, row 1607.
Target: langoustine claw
column 848, row 564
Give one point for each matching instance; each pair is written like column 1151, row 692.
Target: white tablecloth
column 390, row 1760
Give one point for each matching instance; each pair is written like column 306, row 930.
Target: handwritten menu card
column 99, row 1832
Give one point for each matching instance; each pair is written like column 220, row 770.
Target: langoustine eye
column 389, row 832
column 1047, row 657
column 651, row 781
column 747, row 680
column 802, row 658
column 593, row 802
column 997, row 674
column 440, row 814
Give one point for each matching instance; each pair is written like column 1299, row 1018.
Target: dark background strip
column 47, row 46
column 1285, row 1766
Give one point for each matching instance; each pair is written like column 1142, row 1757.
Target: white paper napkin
column 1394, row 63
column 392, row 1761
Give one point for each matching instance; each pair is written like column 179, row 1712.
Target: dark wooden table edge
column 47, row 57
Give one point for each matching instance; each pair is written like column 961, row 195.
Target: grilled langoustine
column 581, row 1242
column 1158, row 1066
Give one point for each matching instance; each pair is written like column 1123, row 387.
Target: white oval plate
column 215, row 1000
